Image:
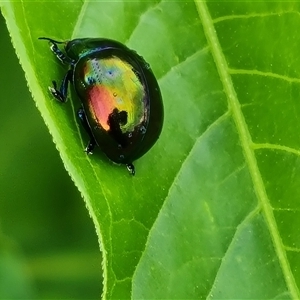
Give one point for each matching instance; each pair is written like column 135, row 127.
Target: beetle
column 121, row 103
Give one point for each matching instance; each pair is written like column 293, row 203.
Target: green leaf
column 14, row 283
column 213, row 211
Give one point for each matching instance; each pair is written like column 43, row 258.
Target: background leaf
column 213, row 211
column 48, row 246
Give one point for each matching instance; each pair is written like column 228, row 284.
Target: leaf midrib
column 86, row 198
column 246, row 144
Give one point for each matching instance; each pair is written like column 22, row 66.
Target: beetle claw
column 56, row 94
column 88, row 151
column 89, row 148
column 131, row 169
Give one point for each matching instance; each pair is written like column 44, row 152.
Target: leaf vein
column 246, row 143
column 245, row 221
column 80, row 18
column 275, row 147
column 102, row 244
column 187, row 60
column 261, row 73
column 292, row 249
column 253, row 15
column 140, row 20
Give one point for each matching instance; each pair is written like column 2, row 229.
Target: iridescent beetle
column 122, row 109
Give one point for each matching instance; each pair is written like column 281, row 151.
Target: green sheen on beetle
column 122, row 108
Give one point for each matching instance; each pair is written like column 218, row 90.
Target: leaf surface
column 213, row 211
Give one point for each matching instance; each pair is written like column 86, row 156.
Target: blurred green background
column 48, row 244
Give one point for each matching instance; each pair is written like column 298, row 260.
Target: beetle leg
column 61, row 93
column 57, row 52
column 92, row 143
column 90, row 146
column 130, row 168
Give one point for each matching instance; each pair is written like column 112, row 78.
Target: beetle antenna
column 51, row 40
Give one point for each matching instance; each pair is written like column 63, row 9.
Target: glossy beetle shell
column 120, row 97
column 121, row 105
